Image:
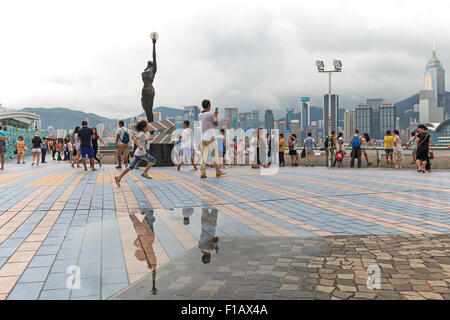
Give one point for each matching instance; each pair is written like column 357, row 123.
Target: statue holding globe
column 148, row 92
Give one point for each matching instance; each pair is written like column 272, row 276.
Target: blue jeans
column 147, row 157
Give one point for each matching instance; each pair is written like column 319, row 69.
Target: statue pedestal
column 162, row 154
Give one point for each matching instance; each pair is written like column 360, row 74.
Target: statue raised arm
column 148, row 91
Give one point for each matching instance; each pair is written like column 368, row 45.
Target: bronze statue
column 148, row 92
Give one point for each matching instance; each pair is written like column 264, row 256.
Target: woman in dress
column 398, row 150
column 292, row 152
column 20, row 145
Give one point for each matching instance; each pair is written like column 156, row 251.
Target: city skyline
column 97, row 69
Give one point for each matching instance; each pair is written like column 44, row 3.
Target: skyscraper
column 334, row 113
column 375, row 104
column 435, row 79
column 191, row 113
column 387, row 119
column 364, row 119
column 289, row 117
column 255, row 119
column 305, row 113
column 349, row 124
column 268, row 120
column 232, row 115
column 245, row 120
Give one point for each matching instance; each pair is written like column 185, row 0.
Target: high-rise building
column 375, row 104
column 191, row 113
column 282, row 127
column 295, row 127
column 435, row 79
column 387, row 119
column 179, row 122
column 245, row 120
column 101, row 129
column 305, row 113
column 334, row 113
column 289, row 117
column 349, row 124
column 268, row 120
column 226, row 123
column 428, row 109
column 232, row 114
column 364, row 119
column 255, row 119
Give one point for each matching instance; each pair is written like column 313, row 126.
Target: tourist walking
column 209, row 121
column 309, row 143
column 389, row 146
column 77, row 154
column 365, row 142
column 3, row 138
column 356, row 150
column 281, row 148
column 340, row 150
column 292, row 142
column 44, row 148
column 86, row 150
column 398, row 150
column 221, row 147
column 95, row 139
column 187, row 146
column 422, row 148
column 36, row 148
column 20, row 145
column 58, row 149
column 142, row 128
column 122, row 145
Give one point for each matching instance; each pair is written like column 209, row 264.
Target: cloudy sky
column 88, row 55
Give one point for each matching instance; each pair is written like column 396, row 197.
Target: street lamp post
column 337, row 68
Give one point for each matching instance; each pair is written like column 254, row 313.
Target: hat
column 36, row 134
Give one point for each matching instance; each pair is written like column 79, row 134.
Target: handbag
column 431, row 154
column 303, row 155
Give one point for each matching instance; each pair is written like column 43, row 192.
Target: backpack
column 355, row 141
column 126, row 137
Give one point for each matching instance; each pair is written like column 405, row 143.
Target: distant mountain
column 64, row 118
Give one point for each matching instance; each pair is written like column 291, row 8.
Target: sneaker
column 146, row 176
column 32, row 164
column 220, row 174
column 203, row 176
column 117, row 180
column 118, row 167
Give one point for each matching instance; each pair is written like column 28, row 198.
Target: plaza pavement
column 301, row 233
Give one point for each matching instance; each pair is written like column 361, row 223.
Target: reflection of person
column 208, row 240
column 144, row 243
column 187, row 213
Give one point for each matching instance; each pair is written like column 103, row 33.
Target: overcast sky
column 88, row 55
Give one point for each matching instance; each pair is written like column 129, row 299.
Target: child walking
column 142, row 128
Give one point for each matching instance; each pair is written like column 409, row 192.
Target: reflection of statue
column 144, row 243
column 148, row 92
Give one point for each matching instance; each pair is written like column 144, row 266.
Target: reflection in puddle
column 208, row 240
column 144, row 242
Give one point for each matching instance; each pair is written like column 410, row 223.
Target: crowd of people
column 216, row 150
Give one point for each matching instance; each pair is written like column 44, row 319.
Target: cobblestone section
column 411, row 268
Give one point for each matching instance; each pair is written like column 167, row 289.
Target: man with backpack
column 122, row 147
column 356, row 149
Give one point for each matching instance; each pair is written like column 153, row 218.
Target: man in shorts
column 187, row 146
column 122, row 145
column 86, row 150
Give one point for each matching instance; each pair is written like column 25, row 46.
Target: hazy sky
column 88, row 55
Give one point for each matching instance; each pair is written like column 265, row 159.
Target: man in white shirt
column 187, row 145
column 122, row 144
column 209, row 143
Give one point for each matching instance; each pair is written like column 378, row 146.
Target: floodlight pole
column 330, row 72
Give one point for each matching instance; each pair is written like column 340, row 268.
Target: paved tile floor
column 54, row 218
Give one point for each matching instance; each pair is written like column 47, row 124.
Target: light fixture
column 320, row 65
column 154, row 35
column 337, row 65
